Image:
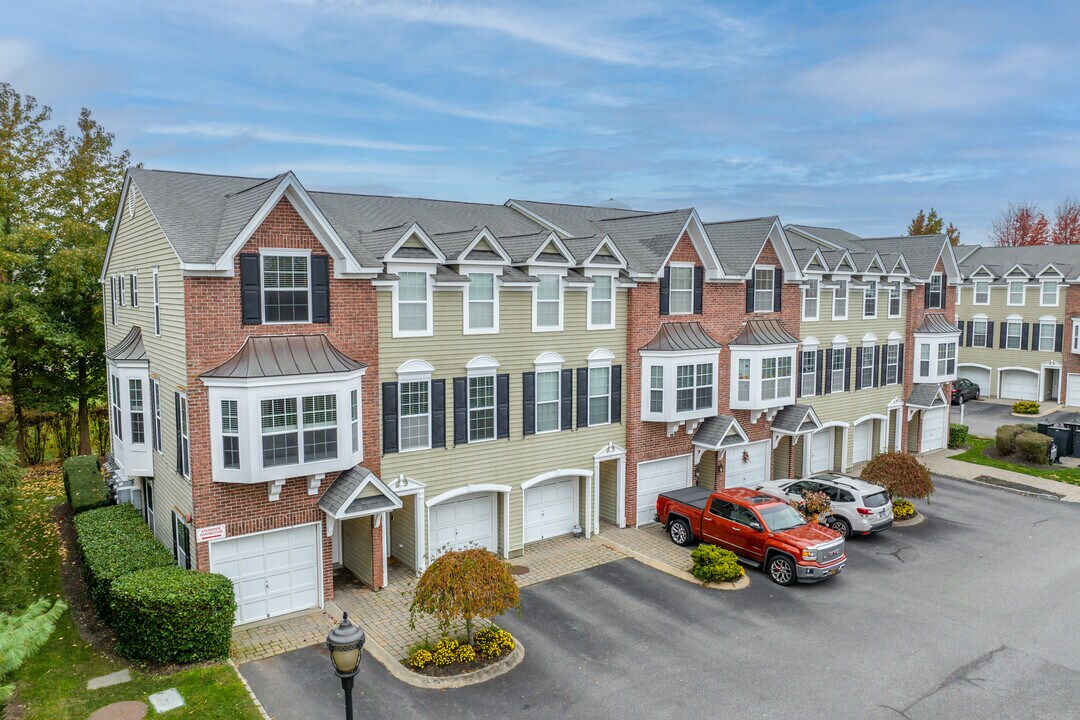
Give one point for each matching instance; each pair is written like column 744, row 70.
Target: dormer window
column 547, row 303
column 1048, row 295
column 286, row 283
column 413, row 303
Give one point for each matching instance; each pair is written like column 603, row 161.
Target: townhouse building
column 1019, row 308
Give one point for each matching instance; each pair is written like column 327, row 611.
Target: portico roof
column 796, row 420
column 129, row 349
column 764, row 332
column 926, row 395
column 357, row 492
column 936, row 323
column 285, row 355
column 719, row 431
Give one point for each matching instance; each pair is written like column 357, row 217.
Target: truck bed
column 694, row 496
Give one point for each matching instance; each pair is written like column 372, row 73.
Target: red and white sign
column 212, row 532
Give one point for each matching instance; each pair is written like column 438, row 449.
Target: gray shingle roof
column 925, row 395
column 712, row 432
column 676, row 336
column 284, row 355
column 337, row 495
column 837, row 236
column 936, row 323
column 796, row 419
column 575, row 219
column 130, row 348
column 764, row 332
column 1032, row 258
column 645, row 240
column 920, row 251
column 737, row 242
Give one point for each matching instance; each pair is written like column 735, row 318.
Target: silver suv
column 858, row 507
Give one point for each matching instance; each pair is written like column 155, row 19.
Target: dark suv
column 964, row 390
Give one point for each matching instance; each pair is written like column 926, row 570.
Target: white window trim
column 812, row 351
column 282, row 252
column 941, row 293
column 691, row 291
column 486, row 373
column 540, row 369
column 1009, row 295
column 157, row 302
column 980, row 318
column 185, row 438
column 873, row 366
column 113, row 301
column 772, row 291
column 893, row 379
column 562, row 304
column 975, row 292
column 120, row 287
column 838, row 349
column 757, row 357
column 429, row 330
column 237, row 434
column 589, row 324
column 935, row 345
column 847, row 298
column 606, row 393
column 899, row 303
column 134, row 280
column 1019, row 336
column 866, row 297
column 1052, row 323
column 155, row 389
column 1076, row 335
column 468, row 329
column 669, row 362
column 817, row 305
column 1042, row 293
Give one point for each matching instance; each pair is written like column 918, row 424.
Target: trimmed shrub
column 83, row 483
column 172, row 615
column 420, row 659
column 902, row 509
column 714, row 564
column 901, row 475
column 1005, row 439
column 493, row 642
column 465, row 654
column 115, row 541
column 1026, row 407
column 958, row 435
column 1033, row 447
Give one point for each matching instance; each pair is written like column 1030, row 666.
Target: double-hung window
column 681, row 290
column 547, row 310
column 763, row 289
column 1012, row 334
column 1076, row 336
column 354, row 419
column 809, row 372
column 602, row 302
column 693, row 387
column 481, row 311
column 481, row 408
column 839, row 306
column 894, row 301
column 135, row 290
column 117, row 416
column 185, row 438
column 978, row 333
column 744, row 380
column 924, row 360
column 1016, row 292
column 810, row 300
column 839, row 369
column 1048, row 294
column 157, row 304
column 892, row 364
column 155, row 399
column 1047, row 335
column 412, row 302
column 282, row 426
column 775, row 378
column 280, row 443
column 946, row 359
column 982, row 292
column 599, row 395
column 112, row 299
column 867, row 379
column 230, row 435
column 870, row 300
column 120, row 287
column 135, row 410
column 656, row 388
column 937, row 291
column 286, row 288
column 320, row 427
column 548, row 397
column 415, row 414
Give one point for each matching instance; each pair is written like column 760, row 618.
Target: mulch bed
column 991, row 452
column 433, row 670
column 910, row 517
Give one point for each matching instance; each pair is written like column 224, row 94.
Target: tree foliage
column 1020, row 224
column 22, row 635
column 901, row 475
column 12, row 568
column 463, row 585
column 1066, row 229
column 931, row 224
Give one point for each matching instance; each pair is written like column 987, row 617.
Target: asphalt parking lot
column 983, row 418
column 971, row 614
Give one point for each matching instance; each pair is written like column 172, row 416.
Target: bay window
column 681, row 290
column 810, row 300
column 481, row 312
column 286, row 287
column 135, row 410
column 936, row 356
column 131, row 414
column 602, row 302
column 946, row 359
column 679, row 386
column 762, row 376
column 547, row 303
column 924, row 360
column 693, row 387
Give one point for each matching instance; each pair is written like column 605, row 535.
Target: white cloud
column 245, row 132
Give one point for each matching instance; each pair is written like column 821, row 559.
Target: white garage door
column 821, row 450
column 551, row 508
column 1019, row 385
column 933, row 429
column 747, row 464
column 977, row 375
column 861, row 450
column 659, row 476
column 273, row 573
column 468, row 520
column 1072, row 391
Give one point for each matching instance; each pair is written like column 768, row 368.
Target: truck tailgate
column 694, row 496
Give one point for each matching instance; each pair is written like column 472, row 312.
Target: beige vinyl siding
column 356, row 548
column 403, row 532
column 780, row 458
column 706, row 470
column 996, row 312
column 515, row 347
column 140, row 245
column 609, row 491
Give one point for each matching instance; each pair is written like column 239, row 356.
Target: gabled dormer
column 816, row 263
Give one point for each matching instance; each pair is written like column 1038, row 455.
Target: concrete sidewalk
column 939, row 463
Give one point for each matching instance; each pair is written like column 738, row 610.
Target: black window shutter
column 971, row 332
column 828, row 372
column 665, row 292
column 750, row 293
column 567, row 395
column 900, row 364
column 153, row 417
column 1059, row 337
column 798, row 374
column 858, row 370
column 389, row 417
column 926, row 294
column 960, row 323
column 583, row 397
column 438, row 413
column 778, row 288
column 990, row 334
column 883, row 365
column 320, row 288
column 112, row 299
column 528, row 403
column 699, row 288
column 176, row 555
column 1036, row 336
column 877, row 364
column 250, row 289
column 502, row 406
column 616, row 393
column 179, row 437
column 1001, row 337
column 820, row 372
column 847, row 369
column 461, row 411
column 1023, row 336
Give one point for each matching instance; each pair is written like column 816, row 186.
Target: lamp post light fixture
column 346, row 646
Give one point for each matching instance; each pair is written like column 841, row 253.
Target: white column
column 420, row 509
column 621, row 500
column 386, row 543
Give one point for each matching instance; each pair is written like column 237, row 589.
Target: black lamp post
column 346, row 646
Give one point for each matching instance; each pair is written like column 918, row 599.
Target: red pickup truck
column 760, row 529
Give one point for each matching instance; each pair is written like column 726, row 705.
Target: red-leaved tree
column 1021, row 224
column 1066, row 223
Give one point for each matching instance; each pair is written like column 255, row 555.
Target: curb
column 250, row 692
column 1033, row 492
column 917, row 520
column 740, row 584
column 402, row 673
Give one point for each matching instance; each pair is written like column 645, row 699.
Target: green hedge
column 1005, row 439
column 83, row 483
column 1026, row 407
column 958, row 435
column 1033, row 447
column 115, row 541
column 168, row 615
column 714, row 564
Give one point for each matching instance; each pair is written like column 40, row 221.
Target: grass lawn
column 974, row 454
column 52, row 683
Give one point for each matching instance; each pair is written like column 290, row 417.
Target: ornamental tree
column 463, row 585
column 1020, row 224
column 901, row 475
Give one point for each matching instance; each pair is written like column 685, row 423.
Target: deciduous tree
column 932, row 224
column 901, row 474
column 1020, row 224
column 1066, row 229
column 463, row 585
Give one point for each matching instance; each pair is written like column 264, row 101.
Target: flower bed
column 453, row 656
column 903, row 510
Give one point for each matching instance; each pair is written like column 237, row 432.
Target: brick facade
column 215, row 333
column 916, row 312
column 723, row 314
column 1070, row 361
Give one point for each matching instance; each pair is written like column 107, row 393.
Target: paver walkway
column 274, row 637
column 649, row 540
column 940, row 463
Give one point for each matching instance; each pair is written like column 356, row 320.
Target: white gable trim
column 385, row 491
column 484, row 234
column 816, row 255
column 982, row 269
column 1050, row 266
column 901, row 262
column 1017, row 266
column 423, row 237
column 538, row 218
column 702, row 246
column 563, row 250
column 606, row 241
column 845, row 259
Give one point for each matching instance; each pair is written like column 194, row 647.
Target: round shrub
column 444, row 656
column 420, row 659
column 168, row 615
column 903, row 509
column 1026, row 407
column 958, row 435
column 1033, row 447
column 714, row 564
column 1005, row 439
column 901, row 475
column 465, row 654
column 493, row 642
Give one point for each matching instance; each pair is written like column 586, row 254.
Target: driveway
column 983, row 418
column 965, row 615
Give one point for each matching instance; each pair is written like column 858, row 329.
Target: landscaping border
column 489, row 672
column 917, row 520
column 740, row 584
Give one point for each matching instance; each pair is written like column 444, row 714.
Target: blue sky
column 853, row 114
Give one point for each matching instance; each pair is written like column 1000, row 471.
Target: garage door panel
column 660, row 476
column 861, row 443
column 821, row 450
column 1072, row 390
column 549, row 509
column 1019, row 385
column 751, row 472
column 933, row 429
column 457, row 523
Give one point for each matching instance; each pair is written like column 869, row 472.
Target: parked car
column 964, row 390
column 858, row 507
column 761, row 529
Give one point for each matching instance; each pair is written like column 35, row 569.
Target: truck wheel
column 841, row 526
column 679, row 532
column 781, row 569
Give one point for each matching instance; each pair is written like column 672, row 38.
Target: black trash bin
column 1042, row 428
column 1075, row 443
column 1064, row 437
